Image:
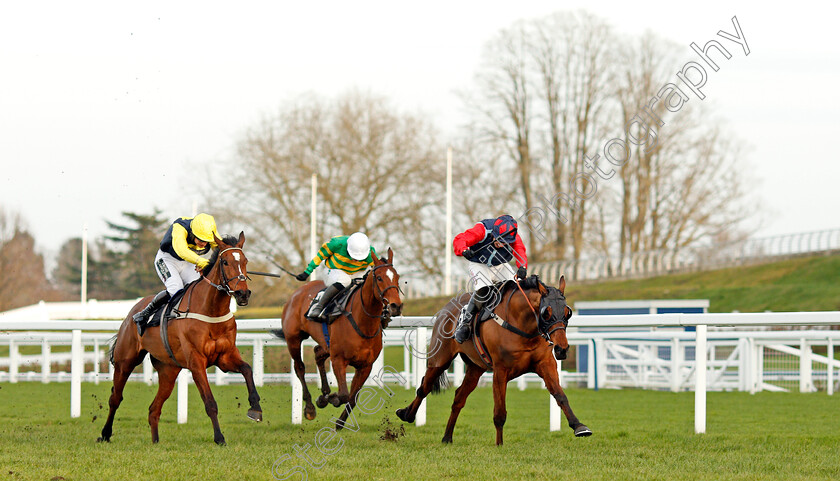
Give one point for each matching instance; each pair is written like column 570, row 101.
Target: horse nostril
column 396, row 309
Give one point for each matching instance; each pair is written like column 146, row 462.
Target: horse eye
column 378, row 278
column 224, row 262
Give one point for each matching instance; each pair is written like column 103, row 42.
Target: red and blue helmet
column 504, row 229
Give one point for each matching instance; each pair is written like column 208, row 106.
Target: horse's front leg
column 358, row 380
column 500, row 380
column 339, row 365
column 198, row 368
column 547, row 370
column 232, row 362
column 321, row 355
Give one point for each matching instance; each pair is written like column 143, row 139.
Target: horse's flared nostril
column 396, row 309
column 560, row 353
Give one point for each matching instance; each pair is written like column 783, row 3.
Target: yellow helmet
column 203, row 227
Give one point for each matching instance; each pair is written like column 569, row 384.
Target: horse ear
column 217, row 240
column 562, row 285
column 241, row 239
column 390, row 256
column 541, row 287
column 375, row 258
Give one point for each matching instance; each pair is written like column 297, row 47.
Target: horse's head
column 554, row 314
column 231, row 262
column 386, row 285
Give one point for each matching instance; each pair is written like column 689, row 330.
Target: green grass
column 800, row 284
column 638, row 435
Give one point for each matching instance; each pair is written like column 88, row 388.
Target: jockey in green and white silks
column 346, row 258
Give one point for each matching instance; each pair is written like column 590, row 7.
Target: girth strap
column 164, row 336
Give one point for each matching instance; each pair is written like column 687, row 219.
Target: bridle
column 543, row 328
column 224, row 286
column 380, row 295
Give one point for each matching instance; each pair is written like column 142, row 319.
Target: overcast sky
column 108, row 107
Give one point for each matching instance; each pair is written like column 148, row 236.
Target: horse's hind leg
column 122, row 370
column 431, row 381
column 321, row 356
column 232, row 361
column 198, row 368
column 471, row 378
column 547, row 370
column 167, row 375
column 300, row 372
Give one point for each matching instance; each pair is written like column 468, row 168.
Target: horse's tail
column 440, row 383
column 279, row 333
column 111, row 344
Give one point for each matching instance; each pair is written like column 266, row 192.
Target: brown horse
column 355, row 337
column 530, row 318
column 205, row 336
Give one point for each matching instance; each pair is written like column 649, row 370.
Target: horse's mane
column 227, row 239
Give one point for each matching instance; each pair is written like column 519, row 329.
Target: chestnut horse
column 355, row 337
column 203, row 335
column 530, row 318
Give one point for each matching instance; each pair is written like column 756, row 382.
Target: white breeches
column 341, row 277
column 174, row 273
column 482, row 275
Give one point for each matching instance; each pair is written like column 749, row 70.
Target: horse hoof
column 339, row 426
column 255, row 415
column 309, row 412
column 446, row 440
column 220, row 442
column 335, row 401
column 100, row 439
column 582, row 431
column 404, row 416
column 321, row 402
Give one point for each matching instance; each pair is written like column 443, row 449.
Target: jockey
column 178, row 260
column 346, row 258
column 489, row 246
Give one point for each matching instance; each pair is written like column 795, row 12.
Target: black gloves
column 302, row 276
column 468, row 253
column 521, row 273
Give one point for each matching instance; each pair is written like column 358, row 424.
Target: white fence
column 748, row 360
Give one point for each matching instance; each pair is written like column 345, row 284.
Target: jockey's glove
column 302, row 276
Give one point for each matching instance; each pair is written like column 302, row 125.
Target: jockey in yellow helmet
column 178, row 261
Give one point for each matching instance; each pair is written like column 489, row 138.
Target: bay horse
column 530, row 318
column 355, row 336
column 203, row 335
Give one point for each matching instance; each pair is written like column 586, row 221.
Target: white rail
column 412, row 334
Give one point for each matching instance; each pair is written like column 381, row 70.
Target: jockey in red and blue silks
column 489, row 246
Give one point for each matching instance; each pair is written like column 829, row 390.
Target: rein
column 506, row 325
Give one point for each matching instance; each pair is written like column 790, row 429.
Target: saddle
column 166, row 310
column 335, row 307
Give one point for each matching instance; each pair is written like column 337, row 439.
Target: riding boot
column 317, row 309
column 462, row 331
column 143, row 316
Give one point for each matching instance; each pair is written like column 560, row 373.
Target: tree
column 379, row 171
column 23, row 281
column 126, row 257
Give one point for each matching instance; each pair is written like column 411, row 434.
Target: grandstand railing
column 658, row 262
